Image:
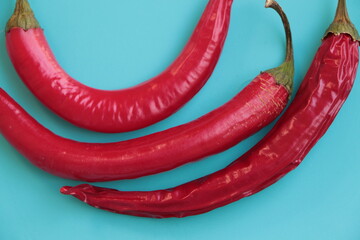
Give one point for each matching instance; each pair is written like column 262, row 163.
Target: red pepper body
column 127, row 109
column 321, row 95
column 249, row 111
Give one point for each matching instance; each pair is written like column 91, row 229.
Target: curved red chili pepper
column 249, row 111
column 120, row 110
column 320, row 97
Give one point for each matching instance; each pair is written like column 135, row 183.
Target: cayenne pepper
column 120, row 110
column 319, row 99
column 257, row 105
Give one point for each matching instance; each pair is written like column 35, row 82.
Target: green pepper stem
column 23, row 17
column 342, row 22
column 289, row 46
column 342, row 13
column 284, row 74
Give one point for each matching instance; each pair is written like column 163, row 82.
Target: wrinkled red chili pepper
column 120, row 110
column 320, row 97
column 249, row 111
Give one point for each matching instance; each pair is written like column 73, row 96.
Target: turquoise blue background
column 116, row 44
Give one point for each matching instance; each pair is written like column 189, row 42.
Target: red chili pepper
column 321, row 95
column 120, row 110
column 249, row 111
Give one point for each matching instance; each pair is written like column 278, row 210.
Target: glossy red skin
column 249, row 111
column 321, row 95
column 127, row 109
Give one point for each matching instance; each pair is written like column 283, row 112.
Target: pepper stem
column 284, row 74
column 342, row 22
column 23, row 17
